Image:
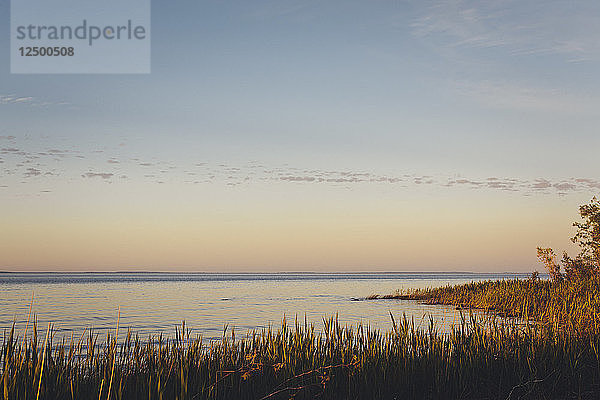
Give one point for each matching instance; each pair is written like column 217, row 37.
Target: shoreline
column 475, row 360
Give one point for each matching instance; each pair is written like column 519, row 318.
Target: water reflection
column 157, row 303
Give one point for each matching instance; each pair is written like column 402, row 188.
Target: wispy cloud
column 32, row 172
column 103, row 175
column 509, row 95
column 538, row 185
column 520, row 28
column 525, row 186
column 57, row 163
column 9, row 99
column 28, row 100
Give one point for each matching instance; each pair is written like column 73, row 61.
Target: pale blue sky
column 466, row 93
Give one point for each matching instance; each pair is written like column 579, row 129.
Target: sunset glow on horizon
column 303, row 136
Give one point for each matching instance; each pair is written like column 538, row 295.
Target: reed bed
column 570, row 305
column 494, row 360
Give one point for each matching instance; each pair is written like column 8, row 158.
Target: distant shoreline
column 279, row 272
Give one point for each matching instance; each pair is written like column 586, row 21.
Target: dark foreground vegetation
column 475, row 361
column 554, row 354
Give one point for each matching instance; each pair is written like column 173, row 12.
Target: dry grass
column 495, row 361
column 570, row 305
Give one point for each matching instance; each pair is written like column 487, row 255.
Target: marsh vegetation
column 551, row 350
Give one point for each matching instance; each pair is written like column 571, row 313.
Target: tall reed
column 497, row 360
column 571, row 305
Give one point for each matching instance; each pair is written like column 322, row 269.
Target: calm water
column 157, row 302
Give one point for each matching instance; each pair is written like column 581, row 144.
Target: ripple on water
column 157, row 303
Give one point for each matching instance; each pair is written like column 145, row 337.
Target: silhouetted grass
column 491, row 360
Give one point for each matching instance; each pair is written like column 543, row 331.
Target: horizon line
column 263, row 272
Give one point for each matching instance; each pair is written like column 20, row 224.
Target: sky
column 310, row 136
